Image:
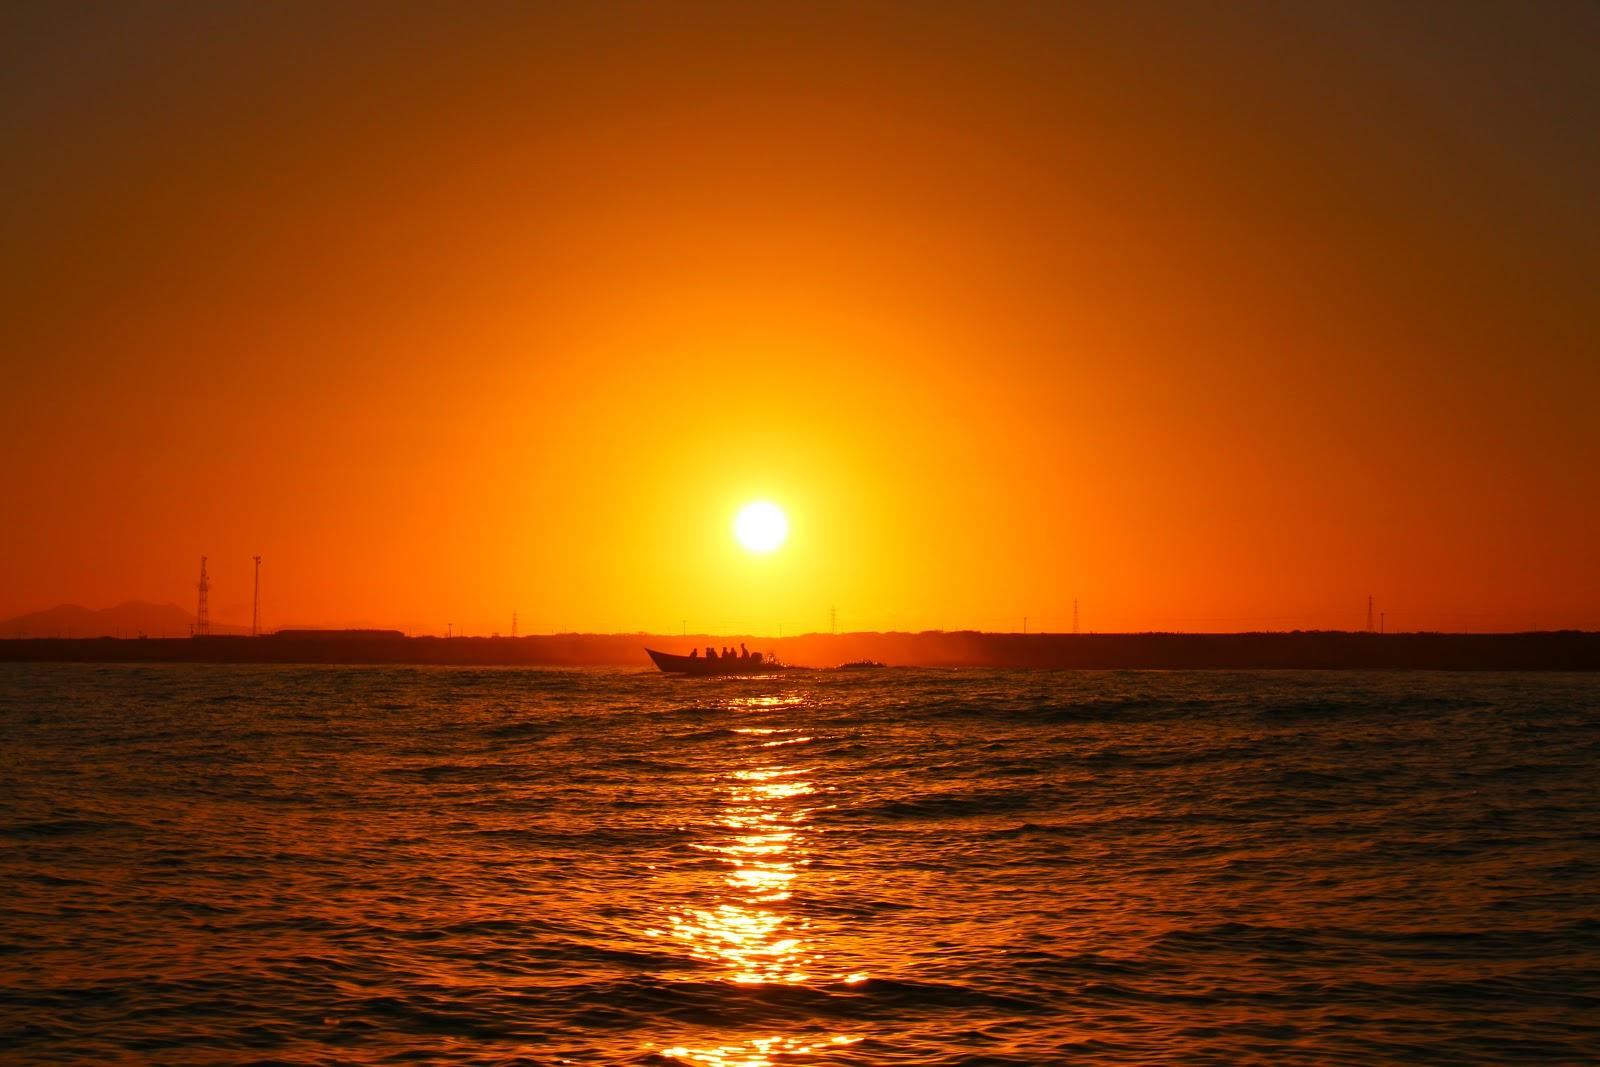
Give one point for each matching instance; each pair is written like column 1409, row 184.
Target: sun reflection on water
column 761, row 855
column 757, row 1052
column 744, row 921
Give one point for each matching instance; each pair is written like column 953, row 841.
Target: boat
column 694, row 665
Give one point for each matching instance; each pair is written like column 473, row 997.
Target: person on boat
column 744, row 653
column 711, row 653
column 694, row 653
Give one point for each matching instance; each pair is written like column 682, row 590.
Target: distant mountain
column 132, row 619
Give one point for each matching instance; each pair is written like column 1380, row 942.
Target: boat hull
column 694, row 665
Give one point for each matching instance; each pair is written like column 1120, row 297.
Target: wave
column 427, row 865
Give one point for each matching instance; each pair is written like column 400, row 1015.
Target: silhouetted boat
column 756, row 664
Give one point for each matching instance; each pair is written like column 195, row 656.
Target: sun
column 761, row 526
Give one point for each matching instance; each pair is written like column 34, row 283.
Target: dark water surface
column 377, row 865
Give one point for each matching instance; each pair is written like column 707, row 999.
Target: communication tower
column 255, row 603
column 202, row 615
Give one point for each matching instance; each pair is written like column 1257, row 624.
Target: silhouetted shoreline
column 1566, row 650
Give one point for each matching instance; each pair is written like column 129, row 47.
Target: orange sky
column 1212, row 317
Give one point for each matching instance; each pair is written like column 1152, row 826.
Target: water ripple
column 389, row 865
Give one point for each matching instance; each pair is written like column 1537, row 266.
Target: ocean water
column 365, row 865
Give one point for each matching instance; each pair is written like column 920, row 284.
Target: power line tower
column 1370, row 627
column 255, row 603
column 202, row 615
column 513, row 622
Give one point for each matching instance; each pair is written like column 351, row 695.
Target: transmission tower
column 1370, row 627
column 255, row 603
column 513, row 622
column 202, row 616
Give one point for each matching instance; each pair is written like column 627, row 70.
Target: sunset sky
column 1212, row 317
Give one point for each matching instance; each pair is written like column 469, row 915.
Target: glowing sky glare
column 1011, row 315
column 761, row 526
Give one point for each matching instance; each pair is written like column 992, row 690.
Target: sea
column 374, row 865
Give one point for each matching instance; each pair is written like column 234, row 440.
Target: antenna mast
column 255, row 604
column 202, row 615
